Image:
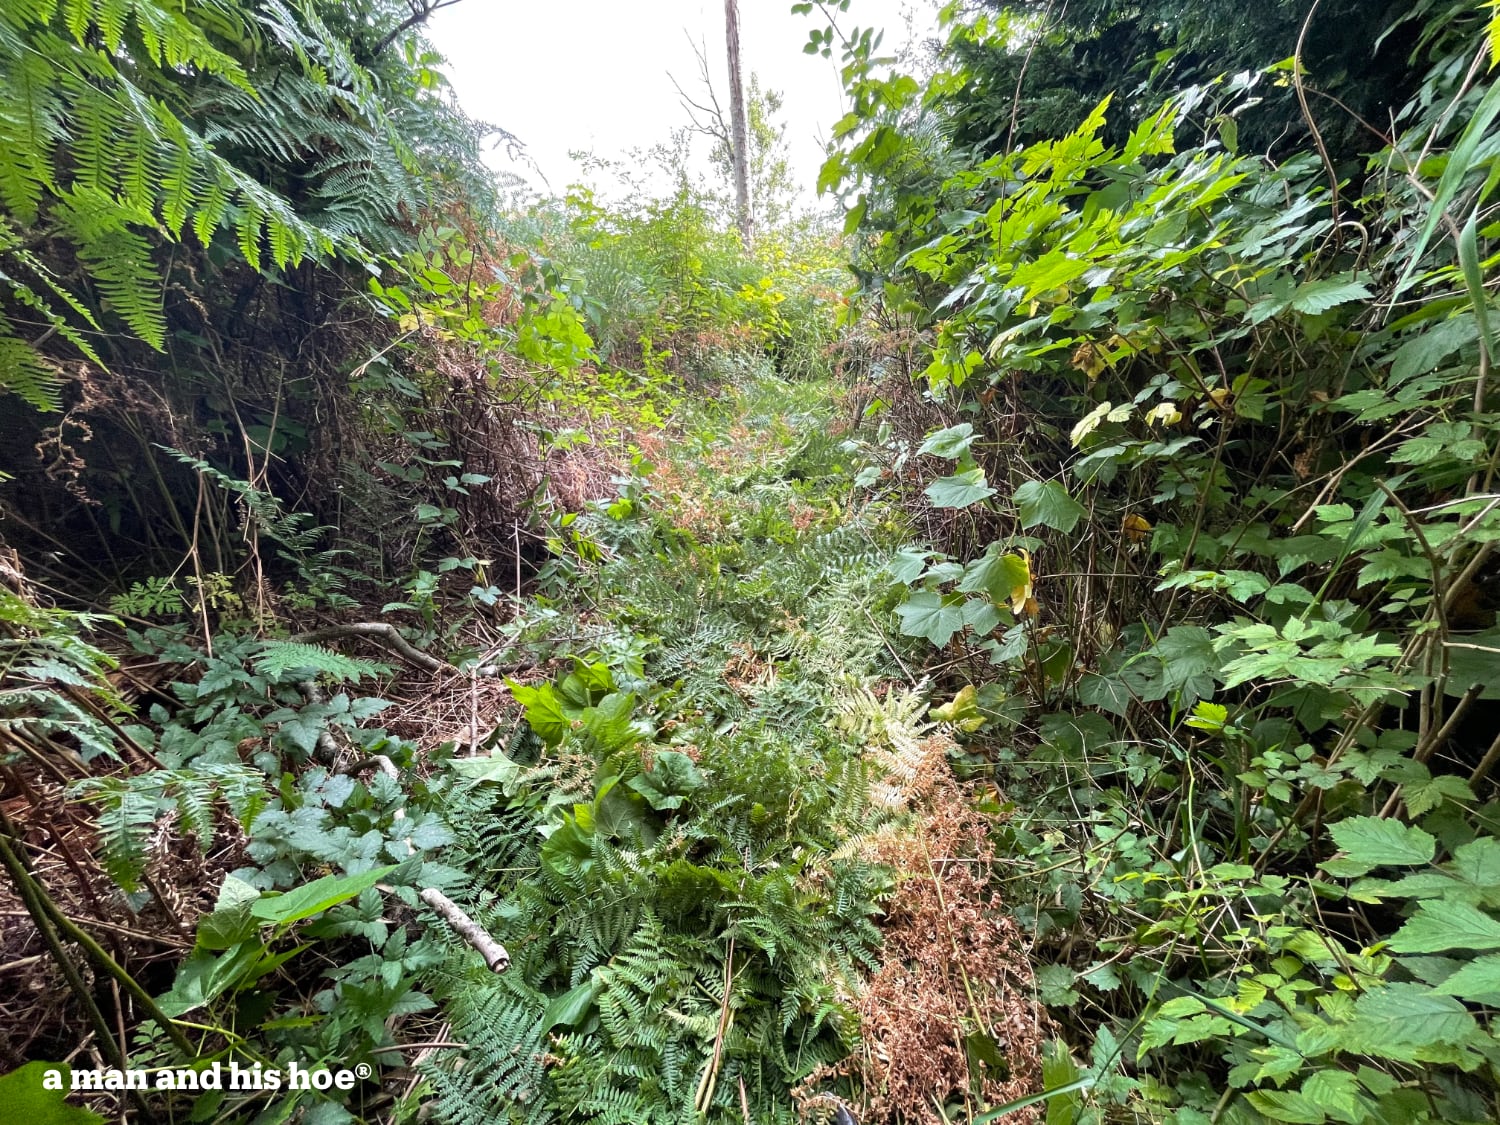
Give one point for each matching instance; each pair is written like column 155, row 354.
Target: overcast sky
column 593, row 74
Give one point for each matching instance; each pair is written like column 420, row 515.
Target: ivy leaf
column 1375, row 841
column 934, row 616
column 951, row 443
column 960, row 490
column 1048, row 503
column 1443, row 925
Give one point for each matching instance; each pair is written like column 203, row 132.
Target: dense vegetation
column 1029, row 656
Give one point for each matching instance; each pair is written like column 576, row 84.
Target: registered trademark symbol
column 362, row 1070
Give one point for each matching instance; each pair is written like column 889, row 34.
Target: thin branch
column 419, row 15
column 492, row 951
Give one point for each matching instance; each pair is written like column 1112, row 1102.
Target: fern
column 281, row 658
column 123, row 122
column 129, row 808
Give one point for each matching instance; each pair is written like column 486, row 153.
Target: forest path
column 728, row 874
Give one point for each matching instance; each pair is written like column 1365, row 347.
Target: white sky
column 592, row 74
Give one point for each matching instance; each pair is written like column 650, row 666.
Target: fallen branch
column 390, row 636
column 380, row 631
column 465, row 927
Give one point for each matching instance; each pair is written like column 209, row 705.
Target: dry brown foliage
column 954, row 964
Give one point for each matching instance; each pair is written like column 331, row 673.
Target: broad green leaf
column 1421, row 354
column 1472, row 661
column 996, row 574
column 932, row 615
column 205, row 976
column 1047, row 503
column 1313, row 297
column 569, row 1008
column 671, row 779
column 494, row 768
column 609, row 724
column 1380, row 841
column 543, row 711
column 962, row 710
column 1335, row 1091
column 1443, row 925
column 1287, row 1105
column 315, row 897
column 1478, row 981
column 960, row 490
column 1405, row 1015
column 952, row 443
column 908, row 565
column 1478, row 863
column 231, row 921
column 24, row 1099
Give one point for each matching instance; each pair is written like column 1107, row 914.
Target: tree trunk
column 740, row 144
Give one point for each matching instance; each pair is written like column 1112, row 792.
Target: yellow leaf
column 1135, row 528
column 1163, row 412
column 1021, row 598
column 1087, row 358
column 1089, row 422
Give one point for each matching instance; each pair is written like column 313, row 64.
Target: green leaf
column 1048, row 503
column 1287, row 1105
column 995, row 574
column 609, row 723
column 543, row 711
column 231, row 921
column 1424, row 796
column 569, row 1008
column 1055, row 985
column 1377, row 841
column 1393, row 1017
column 1443, row 925
column 952, row 443
column 1478, row 981
column 1313, row 297
column 23, row 1097
column 1421, row 354
column 960, row 490
column 908, row 565
column 1336, row 1092
column 204, row 977
column 315, row 897
column 494, row 768
column 932, row 615
column 671, row 780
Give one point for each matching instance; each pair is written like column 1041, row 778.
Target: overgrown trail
column 760, row 886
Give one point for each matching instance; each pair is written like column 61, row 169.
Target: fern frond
column 282, row 658
column 23, row 372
